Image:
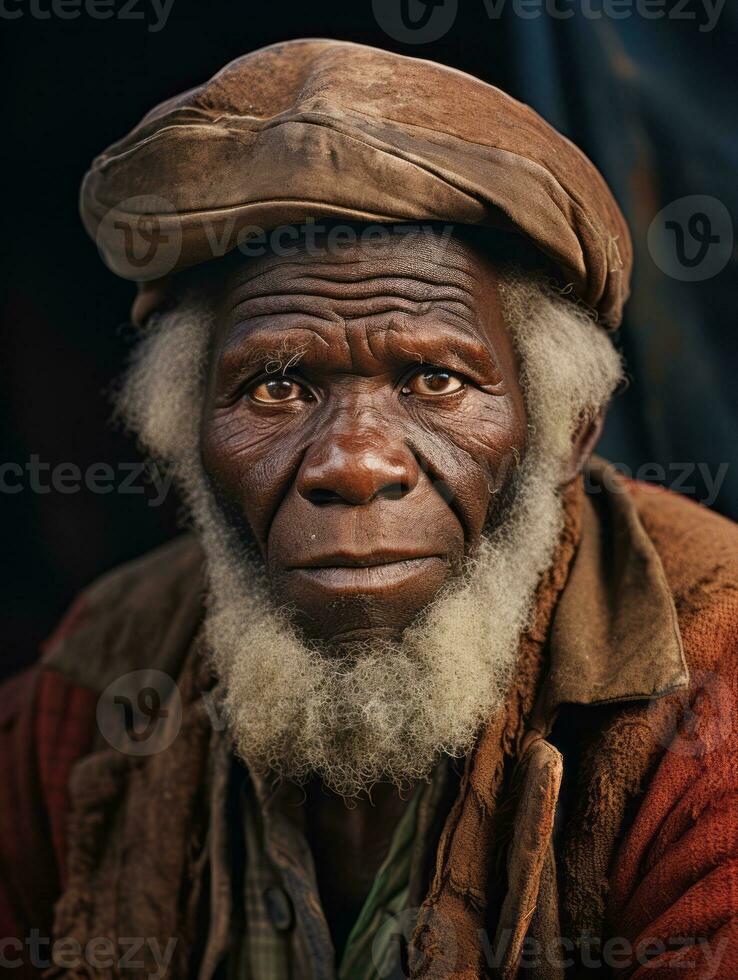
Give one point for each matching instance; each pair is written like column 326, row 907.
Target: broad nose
column 353, row 468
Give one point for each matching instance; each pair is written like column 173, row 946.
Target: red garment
column 676, row 873
column 46, row 725
column 673, row 760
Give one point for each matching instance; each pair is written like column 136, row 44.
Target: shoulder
column 698, row 550
column 676, row 871
column 118, row 619
column 698, row 547
column 141, row 614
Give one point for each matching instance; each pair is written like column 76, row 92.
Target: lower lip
column 368, row 578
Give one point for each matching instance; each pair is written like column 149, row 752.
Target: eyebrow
column 276, row 347
column 271, row 347
column 457, row 347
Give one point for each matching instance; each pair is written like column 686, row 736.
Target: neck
column 349, row 840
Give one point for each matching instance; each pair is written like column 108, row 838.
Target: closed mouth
column 350, row 560
column 362, row 575
column 358, row 561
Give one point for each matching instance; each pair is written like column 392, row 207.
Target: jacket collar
column 614, row 635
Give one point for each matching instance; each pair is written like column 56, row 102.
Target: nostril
column 391, row 491
column 320, row 497
column 342, row 473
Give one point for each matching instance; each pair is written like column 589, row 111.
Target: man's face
column 363, row 409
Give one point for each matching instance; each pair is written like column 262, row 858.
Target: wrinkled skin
column 363, row 413
column 362, row 407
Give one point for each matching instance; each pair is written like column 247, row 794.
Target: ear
column 583, row 443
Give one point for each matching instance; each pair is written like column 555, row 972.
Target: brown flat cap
column 327, row 129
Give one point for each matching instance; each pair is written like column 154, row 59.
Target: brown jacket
column 596, row 825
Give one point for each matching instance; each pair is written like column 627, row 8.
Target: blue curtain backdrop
column 655, row 105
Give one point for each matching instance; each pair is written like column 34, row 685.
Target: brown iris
column 279, row 390
column 433, row 381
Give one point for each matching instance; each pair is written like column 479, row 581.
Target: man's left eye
column 433, row 381
column 277, row 390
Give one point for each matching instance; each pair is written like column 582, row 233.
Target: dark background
column 651, row 101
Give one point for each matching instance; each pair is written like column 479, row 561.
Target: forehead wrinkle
column 366, row 330
column 340, row 274
column 346, row 291
column 273, row 274
column 340, row 310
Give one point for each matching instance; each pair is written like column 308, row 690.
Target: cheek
column 471, row 451
column 252, row 461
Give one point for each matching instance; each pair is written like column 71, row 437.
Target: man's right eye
column 275, row 390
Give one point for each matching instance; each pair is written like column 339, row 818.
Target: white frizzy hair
column 383, row 710
column 569, row 366
column 162, row 392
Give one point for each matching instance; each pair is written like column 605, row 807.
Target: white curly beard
column 379, row 709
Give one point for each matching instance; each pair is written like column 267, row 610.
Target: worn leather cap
column 315, row 129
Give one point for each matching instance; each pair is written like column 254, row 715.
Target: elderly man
column 406, row 701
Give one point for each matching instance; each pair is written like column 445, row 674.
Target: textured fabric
column 274, row 941
column 676, row 873
column 371, row 947
column 644, row 841
column 285, row 933
column 46, row 725
column 462, row 900
column 64, row 733
column 313, row 129
column 138, row 833
column 157, row 602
